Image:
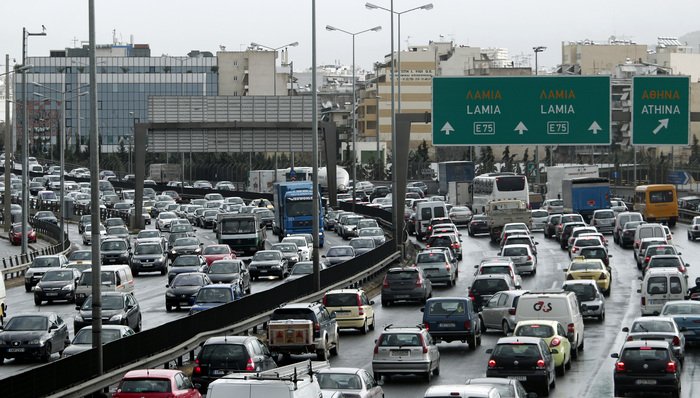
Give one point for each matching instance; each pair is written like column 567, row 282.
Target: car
column 149, row 257
column 303, row 268
column 83, row 338
column 183, row 289
column 115, row 251
column 80, row 257
column 214, row 295
column 300, row 241
column 212, row 253
column 499, row 265
column 566, row 231
column 478, row 225
column 33, row 335
column 658, row 328
column 553, row 206
column 46, row 216
column 39, row 265
column 289, row 250
column 539, row 219
column 499, row 311
column 554, row 335
column 268, row 263
column 186, row 263
column 154, row 383
column 207, row 219
column 667, row 261
column 604, row 220
column 643, row 245
column 230, row 271
column 362, row 245
column 656, row 250
column 56, row 284
column 626, row 236
column 589, row 268
column 118, row 308
column 520, row 239
column 618, row 206
column 405, row 350
column 452, row 319
column 694, row 228
column 460, row 215
column 379, row 191
column 405, row 283
column 164, row 219
column 151, row 235
column 15, row 234
column 267, row 217
column 524, row 259
column 376, row 233
column 352, row 309
column 87, row 234
column 447, row 228
column 119, row 231
column 185, row 245
column 347, row 226
column 437, row 267
column 620, row 220
column 484, row 287
column 564, row 219
column 113, row 222
column 590, row 298
column 646, row 366
column 222, row 355
column 338, row 254
column 526, row 359
column 578, row 231
column 446, row 240
column 584, row 242
column 506, row 387
column 686, row 315
column 514, row 227
column 351, row 382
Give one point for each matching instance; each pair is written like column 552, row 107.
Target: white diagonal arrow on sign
column 595, row 127
column 520, row 128
column 663, row 123
column 447, row 128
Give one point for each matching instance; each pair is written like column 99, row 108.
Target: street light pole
column 354, row 106
column 537, row 50
column 274, row 62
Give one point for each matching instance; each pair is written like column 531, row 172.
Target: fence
column 15, row 266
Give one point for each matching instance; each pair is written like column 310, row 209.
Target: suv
column 527, row 359
column 149, row 257
column 325, row 339
column 405, row 350
column 115, row 251
column 485, row 286
column 646, row 365
column 452, row 318
column 407, row 283
column 446, row 240
column 694, row 228
column 437, row 266
column 550, row 226
column 39, row 265
column 222, row 355
column 352, row 309
column 566, row 218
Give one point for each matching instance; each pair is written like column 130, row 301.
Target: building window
column 235, row 77
column 69, row 105
column 99, row 105
column 69, row 122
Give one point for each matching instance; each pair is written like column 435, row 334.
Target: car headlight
column 169, row 294
column 79, row 318
column 67, row 287
column 174, row 251
column 116, row 318
column 37, row 288
column 276, row 266
column 36, row 342
column 295, row 259
column 197, row 250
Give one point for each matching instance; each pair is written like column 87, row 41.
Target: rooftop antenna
column 222, row 47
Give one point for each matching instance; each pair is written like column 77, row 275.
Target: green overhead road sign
column 550, row 110
column 660, row 110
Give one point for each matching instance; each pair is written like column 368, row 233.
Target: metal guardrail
column 13, row 267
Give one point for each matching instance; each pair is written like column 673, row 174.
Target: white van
column 424, row 212
column 115, row 278
column 462, row 391
column 648, row 230
column 562, row 307
column 292, row 381
column 659, row 286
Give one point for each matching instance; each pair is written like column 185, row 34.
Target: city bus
column 657, row 203
column 497, row 186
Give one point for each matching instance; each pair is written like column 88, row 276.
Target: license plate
column 146, row 265
column 399, row 353
column 15, row 350
column 446, row 325
column 518, row 378
column 401, row 296
column 657, row 301
column 645, row 381
column 342, row 311
column 263, row 271
column 217, row 372
column 51, row 294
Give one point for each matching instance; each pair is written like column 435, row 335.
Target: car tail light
column 317, row 326
column 676, row 341
column 325, row 301
column 647, row 258
column 540, row 364
column 467, row 325
column 471, row 296
column 574, row 250
column 619, row 366
column 492, row 363
column 511, row 311
column 602, row 277
column 571, row 328
column 426, row 325
column 644, row 300
column 671, row 367
column 250, row 366
column 529, row 258
column 427, row 246
column 448, row 267
column 419, row 282
column 360, row 308
column 555, row 342
column 569, row 277
column 197, row 370
column 422, row 342
column 386, row 282
column 630, row 338
column 681, row 268
column 376, row 346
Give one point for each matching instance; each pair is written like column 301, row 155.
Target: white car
column 164, row 219
column 304, row 253
column 87, row 234
column 539, row 219
column 351, row 382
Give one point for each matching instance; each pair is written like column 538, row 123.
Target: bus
column 657, row 203
column 498, row 186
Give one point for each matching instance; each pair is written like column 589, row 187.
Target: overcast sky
column 175, row 27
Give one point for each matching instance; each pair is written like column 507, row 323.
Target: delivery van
column 659, row 286
column 115, row 278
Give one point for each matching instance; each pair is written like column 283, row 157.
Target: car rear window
column 430, row 258
column 657, row 285
column 341, row 300
column 643, row 354
column 515, row 251
column 540, row 213
column 446, row 307
column 489, row 285
column 652, row 326
column 514, row 351
column 144, row 385
column 229, row 356
column 542, row 331
column 495, row 269
column 582, row 292
column 400, row 339
column 401, row 275
column 605, row 214
column 670, row 262
column 292, row 313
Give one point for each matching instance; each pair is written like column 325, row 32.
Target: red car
column 16, row 234
column 212, row 253
column 156, row 383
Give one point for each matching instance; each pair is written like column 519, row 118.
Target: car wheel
column 138, row 325
column 601, row 317
column 27, row 288
column 574, row 353
column 472, row 342
column 506, row 328
column 428, row 376
column 365, row 327
column 37, row 300
column 371, row 326
column 323, row 353
column 168, row 307
column 336, row 348
column 561, row 370
column 46, row 356
column 436, row 371
column 385, row 303
column 482, row 325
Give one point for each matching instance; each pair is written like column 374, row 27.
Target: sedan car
column 303, row 268
column 506, row 387
column 46, row 216
column 214, row 295
column 694, row 228
column 351, row 382
column 686, row 314
column 187, row 263
column 658, row 328
column 83, row 338
column 34, row 335
column 156, row 383
column 183, row 289
column 118, row 308
column 87, row 234
column 56, row 284
column 338, row 254
column 230, row 271
column 362, row 245
column 375, row 233
column 16, row 234
column 213, row 253
column 186, row 245
column 539, row 219
column 268, row 263
column 150, row 235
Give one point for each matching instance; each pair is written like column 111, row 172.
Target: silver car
column 376, row 233
column 539, row 219
column 590, row 299
column 351, row 382
column 522, row 256
column 405, row 350
column 499, row 312
column 658, row 328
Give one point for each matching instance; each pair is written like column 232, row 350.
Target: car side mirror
column 323, row 256
column 626, row 329
column 687, row 264
column 371, row 302
column 167, row 286
column 422, row 310
column 614, row 355
column 489, row 351
column 53, row 327
column 77, row 307
column 537, row 243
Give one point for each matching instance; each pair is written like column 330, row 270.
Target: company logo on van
column 542, row 306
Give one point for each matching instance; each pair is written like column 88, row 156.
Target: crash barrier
column 15, row 266
column 686, row 216
column 179, row 338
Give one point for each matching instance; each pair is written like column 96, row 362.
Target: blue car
column 452, row 319
column 686, row 314
column 215, row 295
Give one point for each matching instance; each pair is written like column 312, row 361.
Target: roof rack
column 292, row 373
column 392, row 326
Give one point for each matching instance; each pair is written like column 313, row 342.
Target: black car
column 35, row 335
column 379, row 192
column 57, row 284
column 149, row 257
column 183, row 289
column 115, row 251
column 118, row 308
column 230, row 271
column 46, row 216
column 208, row 218
column 289, row 250
column 484, row 286
column 268, row 263
column 527, row 359
column 230, row 354
column 478, row 225
column 187, row 263
column 338, row 254
column 407, row 283
column 550, row 226
column 627, row 235
column 267, row 217
column 187, row 245
column 647, row 366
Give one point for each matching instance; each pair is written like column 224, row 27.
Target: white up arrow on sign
column 595, row 127
column 447, row 128
column 520, row 128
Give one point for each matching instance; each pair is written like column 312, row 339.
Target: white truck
column 458, row 193
column 261, row 180
column 557, row 174
column 502, row 212
column 292, row 381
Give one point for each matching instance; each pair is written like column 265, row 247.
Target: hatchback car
column 499, row 265
column 589, row 296
column 658, row 328
column 483, row 287
column 352, row 309
column 604, row 220
column 646, row 366
column 539, row 219
column 524, row 259
column 183, row 289
column 375, row 233
column 350, row 382
column 268, row 263
column 338, row 254
column 526, row 359
column 118, row 308
column 289, row 250
column 15, row 234
column 478, row 225
column 452, row 319
column 87, row 234
column 506, row 387
column 554, row 335
column 450, row 240
column 34, row 335
column 550, row 225
column 211, row 296
column 694, row 228
column 187, row 263
column 406, row 283
column 499, row 312
column 405, row 350
column 57, row 284
column 230, row 271
column 83, row 338
column 437, row 267
column 362, row 245
column 156, row 383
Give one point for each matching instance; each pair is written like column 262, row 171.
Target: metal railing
column 15, row 266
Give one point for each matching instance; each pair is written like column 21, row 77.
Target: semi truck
column 506, row 211
column 456, row 171
column 585, row 195
column 261, row 180
column 557, row 174
column 293, row 203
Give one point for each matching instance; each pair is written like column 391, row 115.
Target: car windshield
column 266, row 256
column 534, row 330
column 652, row 326
column 584, row 292
column 148, row 249
column 188, row 280
column 362, row 243
column 167, row 216
column 145, row 385
column 185, row 261
column 109, row 302
column 112, row 245
column 216, row 250
column 662, row 262
column 186, row 242
column 214, row 296
column 145, row 234
column 585, row 265
column 54, row 276
column 303, row 269
column 43, row 262
column 27, row 323
column 681, row 309
column 539, row 213
column 84, row 336
column 210, row 213
column 446, row 307
column 108, row 278
column 339, row 381
column 224, row 267
column 237, row 226
column 80, row 255
column 516, row 350
column 339, row 252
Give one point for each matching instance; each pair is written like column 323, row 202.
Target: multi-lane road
column 590, row 376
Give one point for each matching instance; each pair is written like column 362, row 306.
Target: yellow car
column 590, row 268
column 352, row 309
column 553, row 333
